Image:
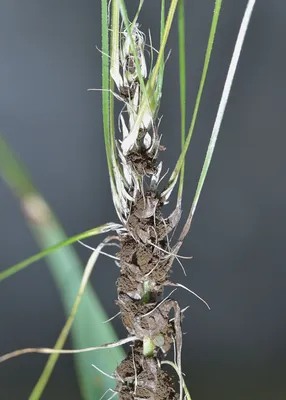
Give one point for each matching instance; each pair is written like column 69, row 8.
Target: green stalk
column 182, row 65
column 180, row 162
column 114, row 50
column 168, row 25
column 162, row 28
column 105, row 86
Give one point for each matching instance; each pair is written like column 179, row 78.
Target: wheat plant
column 145, row 235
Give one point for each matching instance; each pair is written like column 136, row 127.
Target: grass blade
column 105, row 76
column 67, row 272
column 14, row 174
column 43, row 380
column 28, row 261
column 163, row 43
column 182, row 66
column 162, row 28
column 221, row 110
column 105, row 86
column 180, row 162
column 114, row 67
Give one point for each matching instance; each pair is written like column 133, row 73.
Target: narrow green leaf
column 220, row 112
column 14, row 174
column 163, row 43
column 28, row 261
column 81, row 301
column 223, row 101
column 87, row 329
column 105, row 85
column 138, row 12
column 162, row 28
column 180, row 162
column 114, row 66
column 182, row 70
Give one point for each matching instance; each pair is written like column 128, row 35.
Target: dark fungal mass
column 143, row 376
column 144, row 261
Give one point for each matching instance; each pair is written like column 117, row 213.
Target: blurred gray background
column 48, row 60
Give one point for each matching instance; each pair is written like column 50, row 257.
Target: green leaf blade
column 181, row 160
column 87, row 328
column 182, row 76
column 68, row 241
column 65, row 266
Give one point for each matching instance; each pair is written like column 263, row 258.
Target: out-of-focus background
column 48, row 60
